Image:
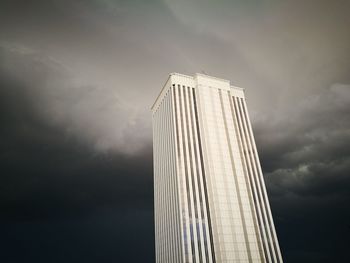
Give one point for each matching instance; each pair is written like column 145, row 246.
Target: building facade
column 210, row 198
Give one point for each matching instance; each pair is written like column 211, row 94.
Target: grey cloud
column 288, row 50
column 312, row 179
column 49, row 175
column 92, row 113
column 315, row 128
column 60, row 199
column 306, row 159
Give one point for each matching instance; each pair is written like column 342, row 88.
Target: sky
column 77, row 79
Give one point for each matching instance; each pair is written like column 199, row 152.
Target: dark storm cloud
column 91, row 113
column 306, row 160
column 76, row 82
column 57, row 190
column 311, row 128
column 40, row 112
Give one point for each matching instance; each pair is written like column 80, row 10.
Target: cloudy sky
column 77, row 79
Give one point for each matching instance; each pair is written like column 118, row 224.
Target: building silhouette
column 210, row 197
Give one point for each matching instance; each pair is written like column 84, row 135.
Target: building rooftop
column 193, row 78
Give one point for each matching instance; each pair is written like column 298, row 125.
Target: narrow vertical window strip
column 160, row 216
column 172, row 152
column 184, row 212
column 256, row 159
column 198, row 172
column 170, row 185
column 162, row 232
column 167, row 197
column 156, row 199
column 250, row 189
column 211, row 241
column 186, row 174
column 195, row 184
column 165, row 186
column 191, row 169
column 252, row 179
column 235, row 178
column 190, row 176
column 175, row 179
column 157, row 180
column 256, row 177
column 168, row 245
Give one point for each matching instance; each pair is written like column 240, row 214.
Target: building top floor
column 199, row 80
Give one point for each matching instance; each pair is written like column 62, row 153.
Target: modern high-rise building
column 210, row 198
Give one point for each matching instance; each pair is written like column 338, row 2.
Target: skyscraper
column 210, row 198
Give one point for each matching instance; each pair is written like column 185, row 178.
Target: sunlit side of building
column 210, row 197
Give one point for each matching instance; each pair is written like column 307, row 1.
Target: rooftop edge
column 192, row 77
